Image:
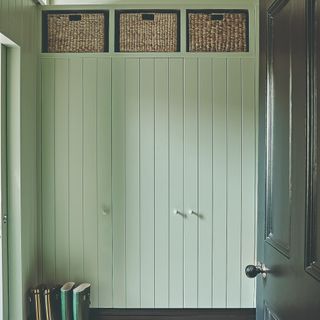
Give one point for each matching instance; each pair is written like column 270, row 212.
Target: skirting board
column 173, row 314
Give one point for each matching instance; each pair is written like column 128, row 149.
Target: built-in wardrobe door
column 147, row 155
column 219, row 181
column 76, row 218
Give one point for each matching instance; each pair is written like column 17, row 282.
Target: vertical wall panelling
column 147, row 181
column 220, row 174
column 61, row 166
column 76, row 173
column 29, row 65
column 148, row 136
column 205, row 255
column 234, row 176
column 248, row 179
column 11, row 8
column 119, row 182
column 162, row 210
column 90, row 205
column 176, row 236
column 76, row 168
column 133, row 219
column 48, row 172
column 4, row 13
column 191, row 221
column 18, row 22
column 104, row 125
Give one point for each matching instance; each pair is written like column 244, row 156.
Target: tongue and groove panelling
column 19, row 22
column 76, row 173
column 125, row 142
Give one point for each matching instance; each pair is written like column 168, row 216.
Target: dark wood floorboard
column 172, row 314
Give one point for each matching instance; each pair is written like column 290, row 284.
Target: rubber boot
column 66, row 300
column 52, row 303
column 36, row 303
column 81, row 302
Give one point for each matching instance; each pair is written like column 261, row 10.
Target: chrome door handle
column 177, row 212
column 191, row 212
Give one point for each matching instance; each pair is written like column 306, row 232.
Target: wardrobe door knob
column 106, row 211
column 177, row 212
column 192, row 212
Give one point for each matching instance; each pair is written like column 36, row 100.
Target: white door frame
column 3, row 186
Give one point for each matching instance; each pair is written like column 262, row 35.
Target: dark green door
column 289, row 187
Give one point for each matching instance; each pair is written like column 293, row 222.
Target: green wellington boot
column 66, row 300
column 81, row 302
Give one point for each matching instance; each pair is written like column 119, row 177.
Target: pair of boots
column 59, row 303
column 75, row 301
column 45, row 303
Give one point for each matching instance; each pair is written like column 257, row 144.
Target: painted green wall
column 19, row 22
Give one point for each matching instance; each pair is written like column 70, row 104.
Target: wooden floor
column 173, row 314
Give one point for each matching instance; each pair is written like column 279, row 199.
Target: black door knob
column 252, row 271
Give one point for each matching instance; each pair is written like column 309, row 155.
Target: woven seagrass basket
column 76, row 32
column 148, row 32
column 218, row 32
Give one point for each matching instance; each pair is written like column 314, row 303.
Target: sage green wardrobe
column 129, row 139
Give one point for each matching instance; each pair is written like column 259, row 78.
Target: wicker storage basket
column 75, row 32
column 218, row 31
column 148, row 32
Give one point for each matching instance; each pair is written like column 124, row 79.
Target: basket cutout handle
column 75, row 17
column 148, row 16
column 217, row 16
